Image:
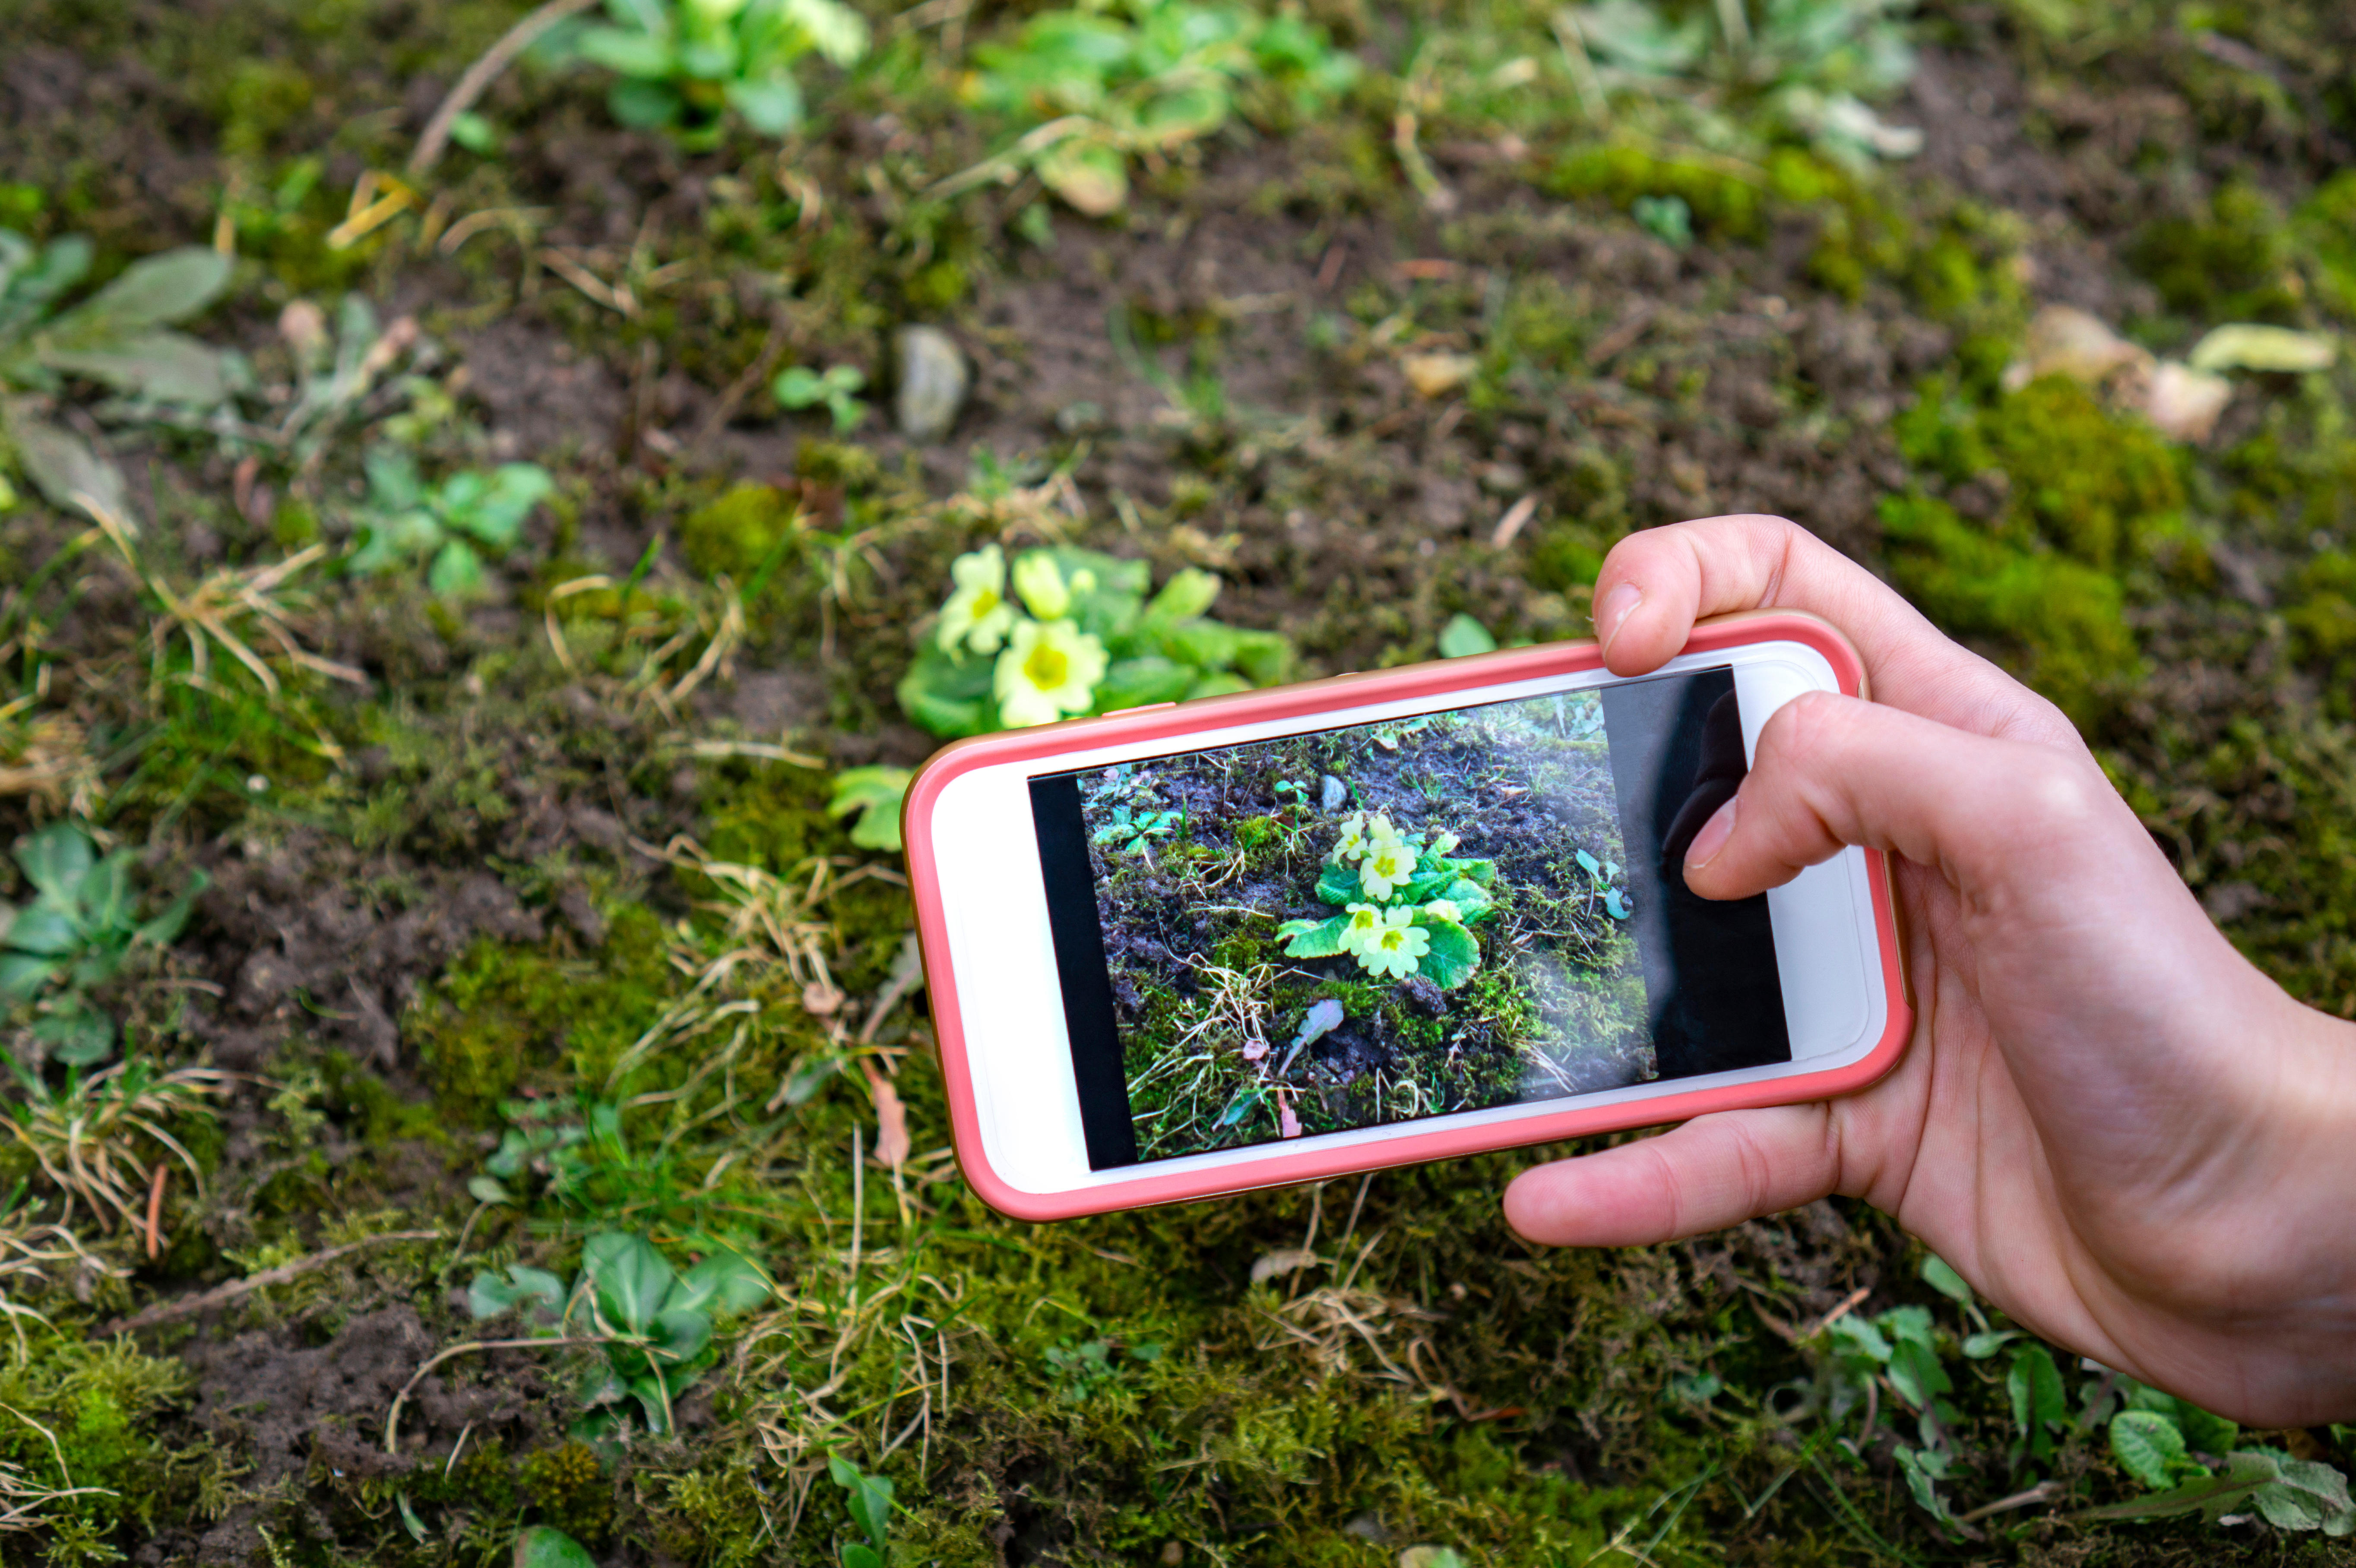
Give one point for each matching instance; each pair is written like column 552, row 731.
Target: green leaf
column 680, row 1333
column 1463, row 637
column 2040, row 1406
column 2204, row 1433
column 456, row 569
column 2212, row 1496
column 1940, row 1276
column 22, row 975
column 489, row 1296
column 60, row 464
column 859, row 1555
column 46, row 931
column 725, row 1283
column 1313, row 938
column 869, row 1497
column 630, row 1278
column 165, row 928
column 497, row 513
column 875, row 793
column 835, row 30
column 644, row 105
column 1340, row 884
column 772, row 106
column 1453, row 955
column 1916, row 1374
column 55, row 860
column 1150, row 678
column 160, row 366
column 948, row 696
column 627, row 52
column 1591, row 865
column 151, row 293
column 77, row 1034
column 1980, row 1347
column 545, row 1546
column 2148, row 1444
column 1186, row 596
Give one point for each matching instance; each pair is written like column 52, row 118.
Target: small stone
column 1333, row 794
column 933, row 381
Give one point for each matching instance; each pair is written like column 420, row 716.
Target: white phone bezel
column 1010, row 1011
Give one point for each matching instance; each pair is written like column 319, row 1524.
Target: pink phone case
column 1281, row 1165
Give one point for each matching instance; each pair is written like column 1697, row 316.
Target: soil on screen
column 1224, row 1039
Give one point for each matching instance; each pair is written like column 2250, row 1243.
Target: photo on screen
column 1396, row 921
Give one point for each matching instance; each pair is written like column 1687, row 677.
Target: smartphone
column 1381, row 918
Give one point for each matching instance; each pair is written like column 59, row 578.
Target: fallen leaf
column 1436, row 375
column 1254, row 1050
column 2183, row 403
column 1287, row 1124
column 1284, row 1260
column 2244, row 345
column 891, row 1116
column 2063, row 341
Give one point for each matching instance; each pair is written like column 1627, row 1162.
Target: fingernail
column 1712, row 836
column 1611, row 612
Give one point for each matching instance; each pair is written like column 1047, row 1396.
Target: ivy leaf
column 1313, row 938
column 2148, row 1444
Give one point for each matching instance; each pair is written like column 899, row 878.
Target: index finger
column 1717, row 565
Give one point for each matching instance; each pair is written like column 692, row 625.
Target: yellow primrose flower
column 977, row 614
column 1353, row 842
column 1042, row 586
column 1389, row 863
column 1365, row 925
column 1379, row 829
column 1049, row 668
column 1398, row 947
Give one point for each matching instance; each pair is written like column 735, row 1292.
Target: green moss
column 739, row 532
column 263, row 100
column 2320, row 609
column 104, row 1402
column 570, row 1490
column 2063, row 621
column 2229, row 264
column 505, row 1014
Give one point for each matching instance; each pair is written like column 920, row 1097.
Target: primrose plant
column 1407, row 903
column 78, row 931
column 685, row 65
column 451, row 525
column 651, row 1324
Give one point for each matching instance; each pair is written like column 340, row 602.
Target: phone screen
column 1390, row 922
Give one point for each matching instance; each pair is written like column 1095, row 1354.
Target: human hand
column 2108, row 1120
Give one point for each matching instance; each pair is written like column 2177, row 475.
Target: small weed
column 452, row 524
column 77, row 933
column 869, row 1498
column 874, row 793
column 836, row 391
column 652, row 1323
column 685, row 65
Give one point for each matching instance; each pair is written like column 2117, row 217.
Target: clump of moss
column 742, row 531
column 99, row 1405
column 2065, row 621
column 503, row 1013
column 569, row 1485
column 2229, row 264
column 2094, row 486
column 2321, row 613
